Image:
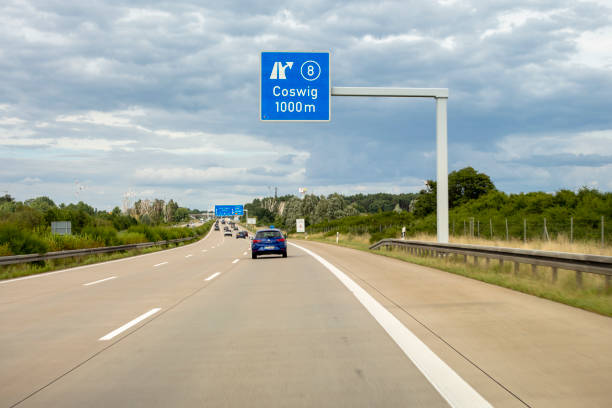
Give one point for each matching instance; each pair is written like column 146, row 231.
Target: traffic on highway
column 206, row 324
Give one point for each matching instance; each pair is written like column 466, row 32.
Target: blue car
column 269, row 241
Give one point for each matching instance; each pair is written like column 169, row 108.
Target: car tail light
column 256, row 241
column 280, row 240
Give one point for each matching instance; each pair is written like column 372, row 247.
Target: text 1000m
column 294, row 107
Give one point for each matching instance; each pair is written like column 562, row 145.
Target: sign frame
column 329, row 86
column 233, row 210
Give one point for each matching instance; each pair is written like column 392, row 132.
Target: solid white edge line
column 42, row 275
column 235, row 260
column 213, row 276
column 160, row 264
column 205, row 250
column 454, row 389
column 129, row 324
column 99, row 281
column 188, row 256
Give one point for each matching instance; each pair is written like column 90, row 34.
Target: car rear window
column 268, row 234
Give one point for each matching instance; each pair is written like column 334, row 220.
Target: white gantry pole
column 442, row 171
column 441, row 96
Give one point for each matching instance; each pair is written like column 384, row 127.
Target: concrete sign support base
column 441, row 96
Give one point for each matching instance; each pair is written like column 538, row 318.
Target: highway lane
column 52, row 322
column 263, row 332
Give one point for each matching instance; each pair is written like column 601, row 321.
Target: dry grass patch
column 592, row 295
column 560, row 244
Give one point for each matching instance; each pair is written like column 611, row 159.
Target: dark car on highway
column 267, row 242
column 241, row 234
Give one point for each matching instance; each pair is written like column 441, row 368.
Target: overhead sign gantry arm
column 295, row 86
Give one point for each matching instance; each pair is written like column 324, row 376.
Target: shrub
column 58, row 242
column 20, row 241
column 131, row 237
column 107, row 235
column 5, row 250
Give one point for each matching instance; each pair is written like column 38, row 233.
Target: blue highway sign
column 295, row 86
column 228, row 210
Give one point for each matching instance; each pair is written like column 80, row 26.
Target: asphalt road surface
column 205, row 325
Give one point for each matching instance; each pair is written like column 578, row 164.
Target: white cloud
column 594, row 48
column 31, row 180
column 65, row 143
column 149, row 16
column 11, row 121
column 448, row 43
column 117, row 118
column 581, row 143
column 508, row 21
column 286, row 18
column 212, row 174
column 17, row 28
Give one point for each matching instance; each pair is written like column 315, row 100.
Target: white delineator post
column 442, row 170
column 441, row 97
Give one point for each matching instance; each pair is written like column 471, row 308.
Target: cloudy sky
column 160, row 99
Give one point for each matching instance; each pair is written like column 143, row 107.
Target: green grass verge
column 592, row 296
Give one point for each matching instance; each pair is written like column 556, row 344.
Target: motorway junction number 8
column 295, row 86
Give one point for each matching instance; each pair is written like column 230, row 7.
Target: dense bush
column 106, row 235
column 20, row 241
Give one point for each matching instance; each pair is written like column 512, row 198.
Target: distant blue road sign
column 295, row 86
column 228, row 210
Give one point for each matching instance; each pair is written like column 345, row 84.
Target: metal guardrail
column 597, row 264
column 15, row 259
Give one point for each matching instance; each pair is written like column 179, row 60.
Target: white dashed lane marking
column 213, row 276
column 129, row 324
column 99, row 281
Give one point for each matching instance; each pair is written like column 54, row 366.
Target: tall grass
column 561, row 243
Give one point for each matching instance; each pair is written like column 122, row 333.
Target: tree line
column 476, row 206
column 25, row 227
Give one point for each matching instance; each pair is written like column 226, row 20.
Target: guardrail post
column 506, row 229
column 487, row 261
column 579, row 279
column 602, row 232
column 501, row 264
column 534, row 270
column 516, row 268
column 554, row 274
column 475, row 260
column 608, row 278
